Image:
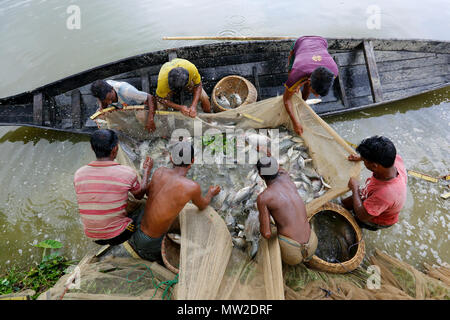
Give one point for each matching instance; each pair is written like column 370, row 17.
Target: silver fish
column 301, row 162
column 243, row 194
column 305, row 178
column 255, row 139
column 235, row 100
column 238, row 242
column 316, row 184
column 252, row 233
column 313, row 101
column 311, row 173
column 298, row 140
column 223, row 101
column 175, row 237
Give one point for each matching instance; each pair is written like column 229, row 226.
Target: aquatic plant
column 38, row 278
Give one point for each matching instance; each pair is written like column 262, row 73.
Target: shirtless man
column 298, row 242
column 168, row 193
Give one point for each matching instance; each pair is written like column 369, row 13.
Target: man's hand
column 185, row 111
column 150, row 126
column 192, row 111
column 148, row 163
column 353, row 184
column 354, row 157
column 298, row 128
column 214, row 190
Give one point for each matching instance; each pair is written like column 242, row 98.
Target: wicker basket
column 346, row 266
column 170, row 252
column 233, row 84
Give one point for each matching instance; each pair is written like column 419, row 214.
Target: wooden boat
column 371, row 72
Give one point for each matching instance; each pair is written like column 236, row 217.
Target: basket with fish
column 340, row 247
column 232, row 92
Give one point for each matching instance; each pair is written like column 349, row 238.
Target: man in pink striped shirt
column 102, row 189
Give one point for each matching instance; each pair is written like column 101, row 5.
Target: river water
column 37, row 201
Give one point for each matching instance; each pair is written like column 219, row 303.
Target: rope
column 167, row 295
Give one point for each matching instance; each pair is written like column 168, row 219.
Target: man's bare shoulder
column 263, row 197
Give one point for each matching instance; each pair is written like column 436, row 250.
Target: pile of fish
column 240, row 183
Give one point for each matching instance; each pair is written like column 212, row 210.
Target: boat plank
column 414, row 73
column 38, row 109
column 356, row 57
column 372, row 70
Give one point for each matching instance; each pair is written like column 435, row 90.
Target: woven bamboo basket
column 346, row 266
column 233, row 84
column 170, row 252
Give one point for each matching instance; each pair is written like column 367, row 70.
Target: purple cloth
column 310, row 52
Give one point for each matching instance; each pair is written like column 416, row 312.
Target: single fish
column 133, row 156
column 223, row 101
column 311, row 173
column 316, row 184
column 298, row 140
column 344, row 254
column 257, row 139
column 313, row 101
column 239, row 243
column 301, row 162
column 243, row 194
column 251, row 232
column 235, row 100
column 175, row 237
column 305, row 178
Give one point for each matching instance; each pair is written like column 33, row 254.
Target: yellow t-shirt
column 162, row 89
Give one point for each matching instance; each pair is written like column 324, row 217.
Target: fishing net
column 211, row 265
column 397, row 281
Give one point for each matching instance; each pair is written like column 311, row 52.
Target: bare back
column 286, row 207
column 168, row 193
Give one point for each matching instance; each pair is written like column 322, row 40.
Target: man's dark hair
column 267, row 168
column 103, row 141
column 321, row 80
column 378, row 149
column 183, row 154
column 100, row 89
column 178, row 78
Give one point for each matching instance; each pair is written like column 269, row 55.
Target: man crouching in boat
column 121, row 94
column 178, row 75
column 378, row 204
column 168, row 193
column 298, row 241
column 310, row 67
column 102, row 189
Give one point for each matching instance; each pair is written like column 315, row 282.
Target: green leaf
column 50, row 244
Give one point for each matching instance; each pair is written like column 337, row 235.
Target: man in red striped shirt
column 102, row 189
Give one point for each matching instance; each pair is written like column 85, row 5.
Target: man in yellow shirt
column 175, row 76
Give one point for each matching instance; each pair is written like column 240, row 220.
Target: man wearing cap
column 310, row 67
column 175, row 76
column 121, row 94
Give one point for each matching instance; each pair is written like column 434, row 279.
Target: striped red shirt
column 102, row 192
